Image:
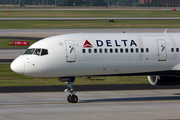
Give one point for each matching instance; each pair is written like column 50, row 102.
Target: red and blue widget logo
column 87, row 44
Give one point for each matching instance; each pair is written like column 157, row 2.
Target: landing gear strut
column 71, row 98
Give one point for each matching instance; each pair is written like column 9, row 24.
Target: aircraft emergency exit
column 67, row 56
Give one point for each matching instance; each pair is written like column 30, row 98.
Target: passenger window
column 126, row 50
column 172, row 49
column 105, row 50
column 95, row 50
column 137, row 50
column 111, row 50
column 132, row 50
column 29, row 51
column 89, row 50
column 142, row 50
column 100, row 50
column 44, row 52
column 83, row 50
column 121, row 50
column 116, row 50
column 147, row 49
column 37, row 51
column 177, row 49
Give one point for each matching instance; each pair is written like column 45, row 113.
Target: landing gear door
column 70, row 51
column 162, row 50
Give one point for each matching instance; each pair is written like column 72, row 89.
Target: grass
column 90, row 13
column 4, row 43
column 90, row 24
column 9, row 78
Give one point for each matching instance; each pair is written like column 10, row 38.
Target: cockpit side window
column 37, row 51
column 44, row 52
column 29, row 51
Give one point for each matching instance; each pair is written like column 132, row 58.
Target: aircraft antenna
column 166, row 30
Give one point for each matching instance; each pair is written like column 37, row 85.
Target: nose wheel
column 72, row 98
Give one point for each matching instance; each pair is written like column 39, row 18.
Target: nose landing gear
column 71, row 98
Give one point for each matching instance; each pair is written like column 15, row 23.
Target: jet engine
column 164, row 80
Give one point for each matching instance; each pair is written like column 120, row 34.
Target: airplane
column 156, row 55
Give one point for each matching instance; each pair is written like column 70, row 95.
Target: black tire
column 69, row 98
column 74, row 99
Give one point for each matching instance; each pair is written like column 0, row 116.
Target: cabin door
column 70, row 51
column 162, row 50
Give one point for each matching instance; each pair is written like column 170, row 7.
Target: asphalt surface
column 83, row 88
column 42, row 33
column 5, row 61
column 10, row 54
column 94, row 105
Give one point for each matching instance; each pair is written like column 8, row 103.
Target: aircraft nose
column 18, row 65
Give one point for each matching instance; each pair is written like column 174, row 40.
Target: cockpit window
column 44, row 52
column 29, row 51
column 37, row 51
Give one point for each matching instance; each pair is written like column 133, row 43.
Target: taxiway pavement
column 42, row 33
column 96, row 105
column 10, row 54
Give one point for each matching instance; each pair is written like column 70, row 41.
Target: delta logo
column 87, row 44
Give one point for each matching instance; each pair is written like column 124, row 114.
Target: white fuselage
column 91, row 54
